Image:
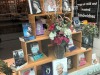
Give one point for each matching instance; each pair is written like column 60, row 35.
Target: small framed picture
column 50, row 5
column 66, row 5
column 34, row 6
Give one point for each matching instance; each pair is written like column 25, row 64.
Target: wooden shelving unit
column 77, row 39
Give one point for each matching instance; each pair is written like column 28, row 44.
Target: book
column 27, row 32
column 29, row 71
column 34, row 51
column 47, row 69
column 18, row 56
column 94, row 59
column 66, row 6
column 60, row 67
column 50, row 5
column 69, row 63
column 82, row 59
column 34, row 6
column 39, row 28
column 36, row 57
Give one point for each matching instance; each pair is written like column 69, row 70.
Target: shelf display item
column 47, row 69
column 50, row 5
column 66, row 5
column 29, row 71
column 34, row 6
column 27, row 31
column 82, row 59
column 19, row 59
column 69, row 63
column 94, row 59
column 60, row 67
column 39, row 28
column 35, row 53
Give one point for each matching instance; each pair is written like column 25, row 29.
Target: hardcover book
column 19, row 59
column 69, row 63
column 94, row 59
column 66, row 5
column 82, row 59
column 29, row 71
column 47, row 69
column 27, row 31
column 34, row 6
column 50, row 5
column 60, row 67
column 36, row 57
column 39, row 28
column 33, row 51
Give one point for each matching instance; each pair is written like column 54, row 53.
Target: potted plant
column 4, row 68
column 60, row 33
column 89, row 31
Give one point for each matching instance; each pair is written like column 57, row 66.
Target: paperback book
column 27, row 31
column 19, row 59
column 47, row 69
column 66, row 6
column 82, row 59
column 34, row 6
column 60, row 67
column 36, row 57
column 34, row 53
column 69, row 63
column 94, row 59
column 29, row 71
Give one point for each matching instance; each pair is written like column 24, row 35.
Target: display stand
column 76, row 36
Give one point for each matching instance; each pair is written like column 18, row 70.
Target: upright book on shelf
column 66, row 6
column 34, row 51
column 34, row 6
column 82, row 59
column 27, row 32
column 29, row 71
column 19, row 59
column 47, row 69
column 60, row 67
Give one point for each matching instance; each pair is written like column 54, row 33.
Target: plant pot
column 59, row 51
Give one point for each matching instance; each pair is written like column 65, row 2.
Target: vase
column 59, row 51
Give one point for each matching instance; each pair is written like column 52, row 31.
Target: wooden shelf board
column 71, row 70
column 39, row 38
column 80, row 67
column 43, row 37
column 77, row 51
column 48, row 13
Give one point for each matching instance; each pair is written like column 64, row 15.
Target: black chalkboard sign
column 88, row 10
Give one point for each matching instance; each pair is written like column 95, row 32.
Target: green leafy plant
column 90, row 29
column 4, row 68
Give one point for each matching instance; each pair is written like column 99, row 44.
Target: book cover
column 47, row 69
column 66, row 5
column 94, row 59
column 29, row 71
column 60, row 67
column 34, row 6
column 27, row 31
column 82, row 59
column 39, row 28
column 69, row 63
column 36, row 57
column 19, row 59
column 34, row 51
column 50, row 5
